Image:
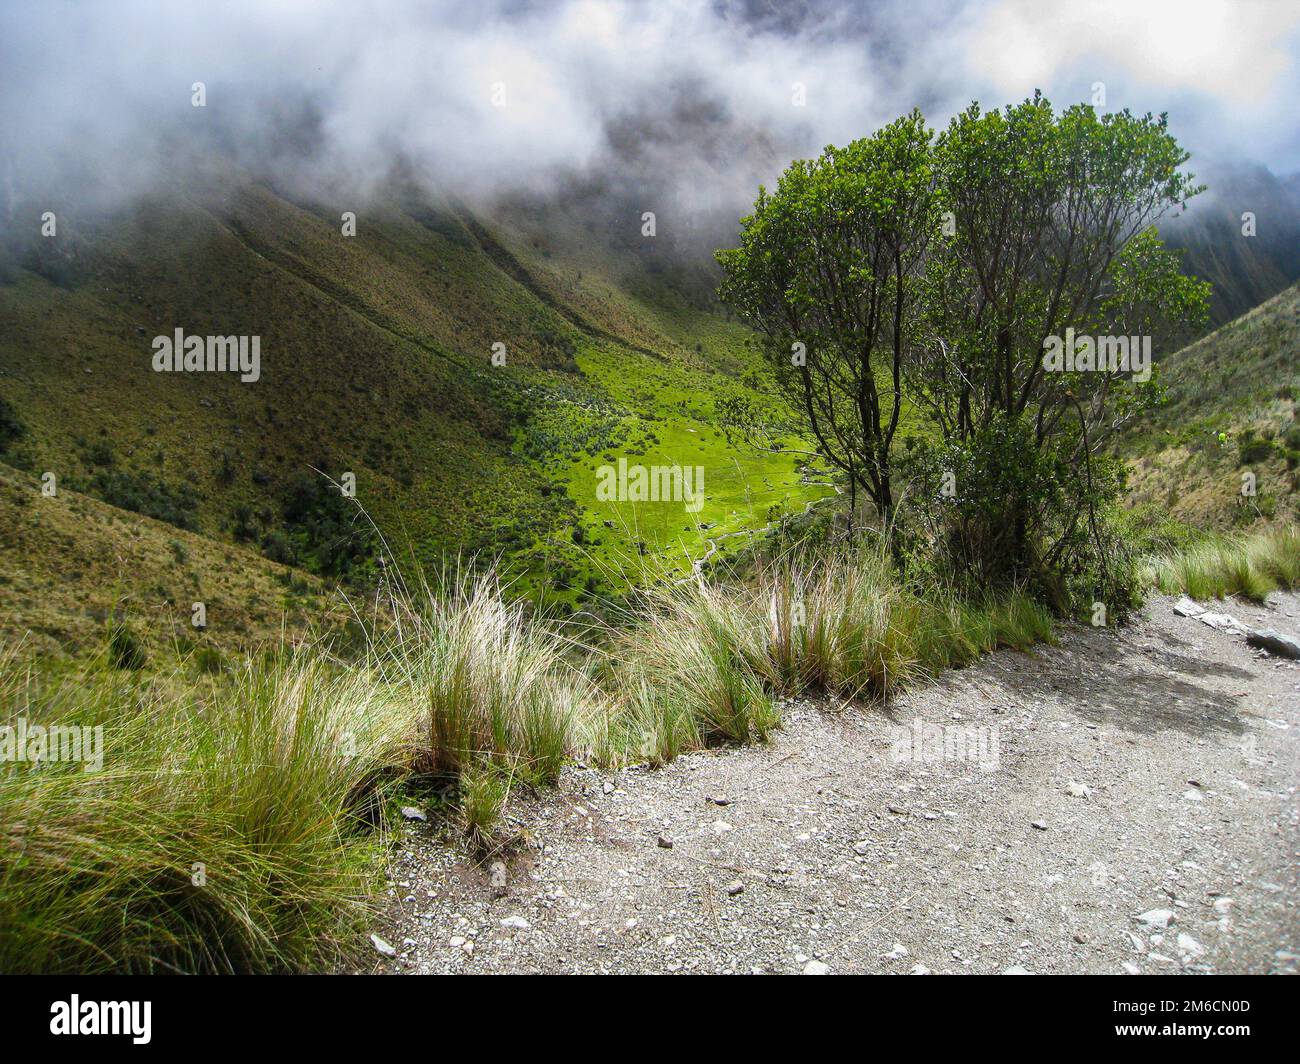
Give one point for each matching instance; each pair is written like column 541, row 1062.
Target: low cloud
column 697, row 102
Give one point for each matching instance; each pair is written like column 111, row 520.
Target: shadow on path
column 1111, row 681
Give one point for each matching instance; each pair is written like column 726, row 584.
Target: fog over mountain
column 1245, row 270
column 682, row 108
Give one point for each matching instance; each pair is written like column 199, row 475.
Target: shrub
column 995, row 512
column 209, row 660
column 100, row 453
column 125, row 649
column 328, row 532
column 146, row 494
column 11, row 428
column 1252, row 450
column 277, row 546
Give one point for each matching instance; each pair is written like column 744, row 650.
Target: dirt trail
column 831, row 851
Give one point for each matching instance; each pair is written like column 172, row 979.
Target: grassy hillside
column 1231, row 410
column 71, row 565
column 376, row 360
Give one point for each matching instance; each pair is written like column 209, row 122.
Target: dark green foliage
column 11, row 429
column 125, row 649
column 1251, row 449
column 143, row 493
column 244, row 526
column 1062, row 540
column 56, row 264
column 277, row 546
column 208, row 659
column 829, row 271
column 964, row 489
column 323, row 531
column 1047, row 236
column 100, row 453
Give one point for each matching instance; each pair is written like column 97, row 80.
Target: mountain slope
column 1231, row 411
column 1245, row 268
column 376, row 360
column 69, row 562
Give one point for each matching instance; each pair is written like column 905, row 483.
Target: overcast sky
column 702, row 94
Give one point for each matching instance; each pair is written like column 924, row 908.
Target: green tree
column 936, row 272
column 1052, row 221
column 828, row 271
column 1051, row 218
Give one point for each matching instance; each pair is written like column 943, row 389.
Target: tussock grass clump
column 704, row 664
column 1017, row 621
column 846, row 627
column 839, row 626
column 1249, row 566
column 227, row 829
column 484, row 791
column 687, row 673
column 486, row 685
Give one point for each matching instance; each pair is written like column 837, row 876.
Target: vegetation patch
column 1221, row 565
column 230, row 834
column 236, row 818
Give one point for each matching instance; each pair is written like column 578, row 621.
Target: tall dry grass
column 1219, row 566
column 238, row 821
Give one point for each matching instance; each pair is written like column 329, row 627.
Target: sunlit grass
column 1219, row 566
column 238, row 821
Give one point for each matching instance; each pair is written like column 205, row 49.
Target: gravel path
column 1149, row 771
